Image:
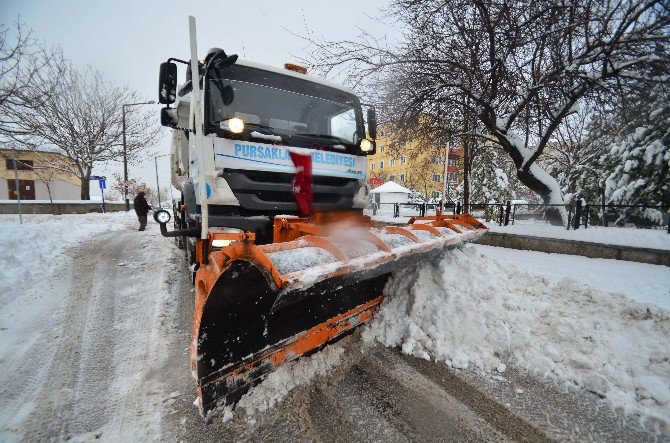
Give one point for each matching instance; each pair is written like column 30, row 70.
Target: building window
column 381, row 148
column 402, row 178
column 452, row 176
column 391, row 178
column 392, row 162
column 436, row 194
column 402, row 160
column 381, row 164
column 21, row 165
column 372, row 166
column 437, row 177
column 437, row 160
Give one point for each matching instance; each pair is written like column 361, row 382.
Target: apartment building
column 417, row 169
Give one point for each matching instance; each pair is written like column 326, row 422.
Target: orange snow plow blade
column 258, row 307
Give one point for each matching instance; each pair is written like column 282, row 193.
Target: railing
column 578, row 214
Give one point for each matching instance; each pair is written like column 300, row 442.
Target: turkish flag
column 302, row 183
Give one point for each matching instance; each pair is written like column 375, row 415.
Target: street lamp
column 158, row 186
column 125, row 151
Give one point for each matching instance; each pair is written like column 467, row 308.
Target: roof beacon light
column 296, row 68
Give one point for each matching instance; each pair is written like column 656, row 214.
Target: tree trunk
column 466, row 175
column 86, row 188
column 47, row 183
column 536, row 179
column 543, row 184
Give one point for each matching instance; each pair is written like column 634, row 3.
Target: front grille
column 273, row 191
column 281, row 177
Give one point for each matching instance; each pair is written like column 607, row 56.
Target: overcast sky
column 127, row 40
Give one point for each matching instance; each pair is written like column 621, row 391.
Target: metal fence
column 578, row 214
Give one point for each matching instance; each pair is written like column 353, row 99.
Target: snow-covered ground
column 638, row 281
column 469, row 309
column 35, row 249
column 85, row 327
column 74, row 357
column 639, row 238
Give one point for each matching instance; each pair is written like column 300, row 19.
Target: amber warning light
column 296, row 68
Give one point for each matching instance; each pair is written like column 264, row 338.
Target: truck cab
column 235, row 137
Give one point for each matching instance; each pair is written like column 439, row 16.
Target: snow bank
column 641, row 282
column 466, row 309
column 639, row 238
column 35, row 249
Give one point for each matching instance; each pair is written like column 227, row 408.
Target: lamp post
column 158, row 186
column 125, row 150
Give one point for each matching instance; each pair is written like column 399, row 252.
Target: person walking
column 141, row 209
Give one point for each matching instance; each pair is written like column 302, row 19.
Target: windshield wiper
column 328, row 136
column 272, row 136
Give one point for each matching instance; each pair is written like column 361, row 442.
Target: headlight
column 366, row 145
column 234, row 125
column 162, row 216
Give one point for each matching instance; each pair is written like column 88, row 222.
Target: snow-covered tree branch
column 520, row 67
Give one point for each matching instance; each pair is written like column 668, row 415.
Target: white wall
column 60, row 190
column 393, row 197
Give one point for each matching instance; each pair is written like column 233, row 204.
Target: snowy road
column 108, row 361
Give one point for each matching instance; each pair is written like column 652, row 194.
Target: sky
column 127, row 40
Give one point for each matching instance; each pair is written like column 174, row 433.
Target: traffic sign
column 102, row 183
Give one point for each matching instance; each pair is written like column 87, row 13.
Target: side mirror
column 372, row 123
column 167, row 83
column 228, row 61
column 168, row 117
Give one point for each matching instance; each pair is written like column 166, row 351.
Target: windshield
column 304, row 110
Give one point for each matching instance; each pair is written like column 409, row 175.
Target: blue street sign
column 102, row 183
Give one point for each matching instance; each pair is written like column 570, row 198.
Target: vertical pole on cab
column 198, row 123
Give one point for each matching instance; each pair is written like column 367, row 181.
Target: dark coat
column 141, row 206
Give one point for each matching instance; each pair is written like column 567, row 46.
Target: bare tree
column 29, row 74
column 134, row 186
column 83, row 121
column 520, row 67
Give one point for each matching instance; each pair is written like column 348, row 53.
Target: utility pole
column 125, row 149
column 125, row 158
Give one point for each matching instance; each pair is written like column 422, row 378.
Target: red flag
column 302, row 183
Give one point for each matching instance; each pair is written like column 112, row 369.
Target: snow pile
column 467, row 309
column 651, row 282
column 279, row 383
column 35, row 249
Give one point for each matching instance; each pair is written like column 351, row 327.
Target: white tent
column 391, row 192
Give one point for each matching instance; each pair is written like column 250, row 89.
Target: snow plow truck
column 271, row 164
